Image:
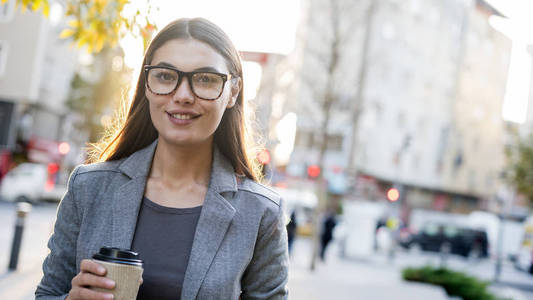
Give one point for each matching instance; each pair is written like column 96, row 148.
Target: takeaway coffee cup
column 124, row 267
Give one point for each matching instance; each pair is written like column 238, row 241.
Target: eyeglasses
column 162, row 80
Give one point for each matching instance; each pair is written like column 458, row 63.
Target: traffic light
column 63, row 148
column 393, row 194
column 313, row 171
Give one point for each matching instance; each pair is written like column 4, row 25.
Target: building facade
column 431, row 77
column 37, row 68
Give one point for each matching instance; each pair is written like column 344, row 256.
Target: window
column 3, row 57
column 335, row 142
column 7, row 11
column 313, row 140
column 302, row 139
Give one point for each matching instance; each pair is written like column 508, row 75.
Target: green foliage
column 96, row 24
column 98, row 91
column 520, row 168
column 455, row 283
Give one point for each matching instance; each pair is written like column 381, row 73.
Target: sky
column 253, row 25
column 517, row 26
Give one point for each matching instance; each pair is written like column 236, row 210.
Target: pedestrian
column 175, row 185
column 326, row 236
column 291, row 229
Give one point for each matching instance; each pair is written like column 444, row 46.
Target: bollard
column 23, row 208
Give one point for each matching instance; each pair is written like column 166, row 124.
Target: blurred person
column 175, row 185
column 291, row 229
column 326, row 235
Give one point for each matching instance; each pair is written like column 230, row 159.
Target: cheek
column 155, row 114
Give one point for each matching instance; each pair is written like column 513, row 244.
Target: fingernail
column 109, row 296
column 101, row 269
column 110, row 283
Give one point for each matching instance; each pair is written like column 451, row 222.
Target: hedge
column 455, row 283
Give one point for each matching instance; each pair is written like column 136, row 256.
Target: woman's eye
column 204, row 78
column 165, row 76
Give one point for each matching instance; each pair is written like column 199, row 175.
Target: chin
column 188, row 141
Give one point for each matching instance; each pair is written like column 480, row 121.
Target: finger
column 88, row 279
column 87, row 294
column 90, row 266
column 141, row 281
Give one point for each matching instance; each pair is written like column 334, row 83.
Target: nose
column 183, row 92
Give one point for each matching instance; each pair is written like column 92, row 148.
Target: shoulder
column 106, row 166
column 259, row 191
column 95, row 170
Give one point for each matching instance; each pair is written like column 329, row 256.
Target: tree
column 99, row 91
column 335, row 84
column 520, row 167
column 96, row 24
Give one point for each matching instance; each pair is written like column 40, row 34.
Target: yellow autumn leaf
column 99, row 44
column 74, row 23
column 82, row 40
column 36, row 4
column 46, row 8
column 66, row 33
column 71, row 9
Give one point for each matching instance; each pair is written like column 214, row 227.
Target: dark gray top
column 163, row 238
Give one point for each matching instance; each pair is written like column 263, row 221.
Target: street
column 375, row 277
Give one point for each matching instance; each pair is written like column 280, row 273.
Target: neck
column 178, row 165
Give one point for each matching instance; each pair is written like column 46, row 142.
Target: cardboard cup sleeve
column 127, row 280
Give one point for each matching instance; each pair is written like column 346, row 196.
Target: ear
column 236, row 86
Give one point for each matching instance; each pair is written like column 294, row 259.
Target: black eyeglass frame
column 181, row 74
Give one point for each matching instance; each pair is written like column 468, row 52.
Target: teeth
column 182, row 116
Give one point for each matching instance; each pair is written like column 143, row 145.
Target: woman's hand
column 91, row 275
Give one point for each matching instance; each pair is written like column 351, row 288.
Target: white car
column 32, row 182
column 524, row 260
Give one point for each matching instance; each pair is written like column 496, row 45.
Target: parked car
column 524, row 259
column 33, row 182
column 455, row 239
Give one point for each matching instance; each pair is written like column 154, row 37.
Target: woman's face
column 181, row 118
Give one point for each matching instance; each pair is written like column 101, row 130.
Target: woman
column 175, row 186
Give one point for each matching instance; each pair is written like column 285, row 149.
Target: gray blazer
column 240, row 243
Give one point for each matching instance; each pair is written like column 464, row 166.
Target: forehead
column 188, row 55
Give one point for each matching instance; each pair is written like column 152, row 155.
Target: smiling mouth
column 183, row 116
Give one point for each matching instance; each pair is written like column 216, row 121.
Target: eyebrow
column 202, row 69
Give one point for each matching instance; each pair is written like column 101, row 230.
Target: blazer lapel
column 126, row 204
column 127, row 199
column 215, row 220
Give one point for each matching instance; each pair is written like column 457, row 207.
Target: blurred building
column 36, row 71
column 431, row 75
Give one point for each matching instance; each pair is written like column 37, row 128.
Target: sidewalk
column 343, row 279
column 21, row 284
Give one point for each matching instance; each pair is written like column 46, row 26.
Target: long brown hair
column 137, row 130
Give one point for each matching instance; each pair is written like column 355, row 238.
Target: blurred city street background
column 399, row 133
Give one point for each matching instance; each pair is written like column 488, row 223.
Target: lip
column 180, row 121
column 183, row 112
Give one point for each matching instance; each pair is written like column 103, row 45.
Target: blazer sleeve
column 266, row 276
column 59, row 266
